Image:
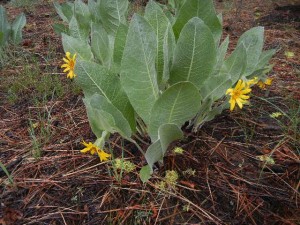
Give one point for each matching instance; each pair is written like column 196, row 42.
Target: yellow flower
column 103, row 155
column 263, row 85
column 239, row 94
column 89, row 147
column 69, row 65
column 252, row 81
column 178, row 150
column 92, row 148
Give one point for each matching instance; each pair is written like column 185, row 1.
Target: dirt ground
column 222, row 179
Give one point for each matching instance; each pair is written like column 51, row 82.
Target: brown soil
column 229, row 185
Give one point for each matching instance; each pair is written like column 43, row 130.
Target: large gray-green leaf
column 82, row 9
column 93, row 8
column 204, row 9
column 1, row 38
column 177, row 104
column 64, row 10
column 215, row 87
column 119, row 45
column 111, row 118
column 60, row 28
column 222, row 50
column 112, row 14
column 78, row 31
column 253, row 41
column 234, row 66
column 94, row 78
column 265, row 58
column 17, row 27
column 4, row 26
column 101, row 45
column 93, row 119
column 83, row 16
column 168, row 50
column 195, row 54
column 208, row 114
column 160, row 23
column 73, row 45
column 167, row 133
column 176, row 4
column 138, row 74
column 262, row 67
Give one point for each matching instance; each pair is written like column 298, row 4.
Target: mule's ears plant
column 10, row 32
column 151, row 75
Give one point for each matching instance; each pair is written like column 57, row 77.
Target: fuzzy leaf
column 176, row 105
column 60, row 28
column 64, row 10
column 145, row 173
column 119, row 45
column 94, row 78
column 253, row 41
column 204, row 9
column 160, row 23
column 78, row 31
column 168, row 50
column 195, row 54
column 215, row 87
column 73, row 45
column 17, row 26
column 4, row 26
column 111, row 118
column 138, row 74
column 167, row 133
column 234, row 66
column 100, row 44
column 112, row 14
column 222, row 50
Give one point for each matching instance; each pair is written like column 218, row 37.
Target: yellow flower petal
column 69, row 65
column 103, row 155
column 244, row 96
column 240, row 104
column 68, row 54
column 268, row 81
column 230, row 90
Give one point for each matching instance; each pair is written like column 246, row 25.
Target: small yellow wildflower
column 189, row 172
column 161, row 185
column 125, row 165
column 92, row 148
column 89, row 147
column 289, row 54
column 178, row 150
column 239, row 94
column 264, row 84
column 69, row 65
column 276, row 114
column 267, row 159
column 171, row 177
column 103, row 155
column 252, row 81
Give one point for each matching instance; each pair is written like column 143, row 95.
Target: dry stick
column 209, row 215
column 84, row 170
column 63, row 218
column 162, row 202
column 210, row 193
column 236, row 192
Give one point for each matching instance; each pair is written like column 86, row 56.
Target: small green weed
column 10, row 178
